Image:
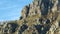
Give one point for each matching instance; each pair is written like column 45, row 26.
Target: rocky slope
column 39, row 17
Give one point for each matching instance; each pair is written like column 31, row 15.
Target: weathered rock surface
column 39, row 17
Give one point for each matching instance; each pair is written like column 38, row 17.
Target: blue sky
column 11, row 9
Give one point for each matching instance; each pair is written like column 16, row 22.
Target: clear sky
column 11, row 9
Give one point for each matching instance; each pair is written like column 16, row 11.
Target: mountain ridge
column 39, row 17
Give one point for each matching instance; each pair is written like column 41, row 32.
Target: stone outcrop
column 39, row 17
column 43, row 15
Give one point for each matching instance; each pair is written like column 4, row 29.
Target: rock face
column 39, row 17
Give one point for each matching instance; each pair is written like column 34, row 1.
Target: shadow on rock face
column 13, row 27
column 23, row 28
column 59, row 23
column 47, row 4
column 39, row 29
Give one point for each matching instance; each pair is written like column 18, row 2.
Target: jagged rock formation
column 8, row 28
column 39, row 17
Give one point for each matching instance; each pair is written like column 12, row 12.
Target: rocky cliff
column 39, row 17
